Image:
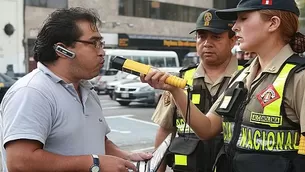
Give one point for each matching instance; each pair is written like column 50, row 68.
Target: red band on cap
column 267, row 2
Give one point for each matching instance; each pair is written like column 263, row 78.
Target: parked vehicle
column 135, row 92
column 5, row 83
column 190, row 58
column 17, row 76
column 110, row 87
column 124, row 94
column 99, row 83
column 153, row 58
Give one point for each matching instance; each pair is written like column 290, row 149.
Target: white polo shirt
column 42, row 107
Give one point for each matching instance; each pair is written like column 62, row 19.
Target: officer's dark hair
column 60, row 26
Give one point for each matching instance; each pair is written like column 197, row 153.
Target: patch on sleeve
column 166, row 98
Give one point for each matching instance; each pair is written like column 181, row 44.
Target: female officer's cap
column 253, row 5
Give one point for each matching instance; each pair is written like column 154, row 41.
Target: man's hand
column 140, row 156
column 110, row 163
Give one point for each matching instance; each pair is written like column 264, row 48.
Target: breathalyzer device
column 136, row 68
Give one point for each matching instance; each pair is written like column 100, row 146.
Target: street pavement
column 131, row 126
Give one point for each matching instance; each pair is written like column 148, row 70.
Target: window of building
column 154, row 10
column 126, row 7
column 170, row 11
column 141, row 8
column 158, row 10
column 193, row 15
column 183, row 13
column 222, row 4
column 47, row 3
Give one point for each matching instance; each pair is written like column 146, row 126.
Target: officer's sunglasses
column 97, row 43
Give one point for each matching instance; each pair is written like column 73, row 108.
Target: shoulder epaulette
column 192, row 66
column 296, row 59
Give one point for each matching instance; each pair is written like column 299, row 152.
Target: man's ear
column 275, row 23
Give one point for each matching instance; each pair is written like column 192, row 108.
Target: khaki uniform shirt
column 294, row 99
column 165, row 109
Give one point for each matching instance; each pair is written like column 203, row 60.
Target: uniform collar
column 84, row 83
column 231, row 68
column 276, row 63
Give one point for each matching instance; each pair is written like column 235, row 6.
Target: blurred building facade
column 130, row 24
column 133, row 24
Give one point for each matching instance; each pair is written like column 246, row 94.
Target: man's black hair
column 61, row 26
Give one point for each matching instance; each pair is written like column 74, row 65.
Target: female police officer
column 262, row 113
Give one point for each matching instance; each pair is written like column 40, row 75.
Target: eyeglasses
column 97, row 43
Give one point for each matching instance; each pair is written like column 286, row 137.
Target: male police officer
column 214, row 41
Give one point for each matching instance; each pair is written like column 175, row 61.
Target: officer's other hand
column 140, row 156
column 110, row 163
column 156, row 78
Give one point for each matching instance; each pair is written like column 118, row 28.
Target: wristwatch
column 96, row 164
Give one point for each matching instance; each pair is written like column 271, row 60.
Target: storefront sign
column 123, row 42
column 150, row 41
column 171, row 43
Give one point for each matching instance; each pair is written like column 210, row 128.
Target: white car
column 110, row 87
column 140, row 92
column 108, row 76
column 135, row 92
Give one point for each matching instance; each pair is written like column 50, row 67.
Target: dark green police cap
column 209, row 21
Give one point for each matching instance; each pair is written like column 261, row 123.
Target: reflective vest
column 255, row 121
column 200, row 96
column 188, row 152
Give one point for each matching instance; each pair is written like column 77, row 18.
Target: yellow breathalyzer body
column 137, row 68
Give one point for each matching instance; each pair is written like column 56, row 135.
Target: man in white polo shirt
column 51, row 119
